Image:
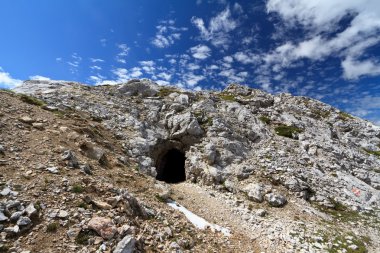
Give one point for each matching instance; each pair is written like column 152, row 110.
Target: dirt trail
column 218, row 211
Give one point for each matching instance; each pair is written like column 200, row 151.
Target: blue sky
column 328, row 50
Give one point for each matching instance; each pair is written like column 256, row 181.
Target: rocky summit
column 138, row 167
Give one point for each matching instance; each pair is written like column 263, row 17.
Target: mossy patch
column 166, row 91
column 288, row 131
column 265, row 119
column 227, row 96
column 345, row 116
column 375, row 153
column 31, row 100
column 77, row 188
column 52, row 227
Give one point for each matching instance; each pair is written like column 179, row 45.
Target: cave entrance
column 171, row 167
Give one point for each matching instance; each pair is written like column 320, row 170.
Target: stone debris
column 282, row 173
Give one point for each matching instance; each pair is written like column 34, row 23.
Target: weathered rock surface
column 87, row 161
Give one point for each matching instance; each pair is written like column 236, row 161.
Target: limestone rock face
column 309, row 147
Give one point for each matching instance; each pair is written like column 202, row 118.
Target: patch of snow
column 199, row 222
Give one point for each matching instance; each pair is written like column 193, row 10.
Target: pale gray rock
column 126, row 245
column 136, row 87
column 6, row 191
column 276, row 200
column 3, row 217
column 255, row 192
column 24, row 221
column 30, row 210
column 16, row 215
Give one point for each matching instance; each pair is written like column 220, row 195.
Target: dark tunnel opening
column 171, row 167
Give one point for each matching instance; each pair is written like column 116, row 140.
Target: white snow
column 199, row 222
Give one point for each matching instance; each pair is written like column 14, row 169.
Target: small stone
column 12, row 230
column 353, row 247
column 73, row 233
column 31, row 210
column 261, row 212
column 5, row 191
column 126, row 245
column 39, row 126
column 24, row 221
column 2, row 149
column 3, row 217
column 53, row 170
column 101, row 204
column 103, row 226
column 16, row 215
column 62, row 214
column 86, row 168
column 276, row 200
column 27, row 120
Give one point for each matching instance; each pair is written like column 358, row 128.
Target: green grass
column 345, row 116
column 160, row 199
column 82, row 238
column 31, row 100
column 342, row 243
column 165, row 91
column 287, row 131
column 3, row 248
column 265, row 119
column 227, row 96
column 77, row 188
column 320, row 114
column 375, row 153
column 52, row 227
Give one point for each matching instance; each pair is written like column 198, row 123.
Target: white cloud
column 218, row 29
column 228, row 59
column 148, row 67
column 38, row 77
column 103, row 42
column 167, row 34
column 124, row 49
column 165, row 76
column 238, row 9
column 94, row 60
column 200, row 52
column 192, row 79
column 58, row 59
column 246, row 57
column 136, row 72
column 7, row 81
column 353, row 69
column 96, row 68
column 121, row 74
column 74, row 63
column 319, row 18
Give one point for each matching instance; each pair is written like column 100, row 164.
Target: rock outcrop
column 279, row 154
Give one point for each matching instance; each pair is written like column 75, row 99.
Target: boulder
column 137, row 87
column 276, row 200
column 103, row 226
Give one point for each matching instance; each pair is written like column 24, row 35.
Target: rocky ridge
column 284, row 173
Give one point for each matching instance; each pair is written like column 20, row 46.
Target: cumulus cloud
column 322, row 18
column 353, row 69
column 167, row 33
column 246, row 57
column 217, row 31
column 7, row 81
column 200, row 52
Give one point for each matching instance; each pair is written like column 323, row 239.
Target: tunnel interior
column 171, row 166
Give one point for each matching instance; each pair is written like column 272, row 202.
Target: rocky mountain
column 138, row 167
